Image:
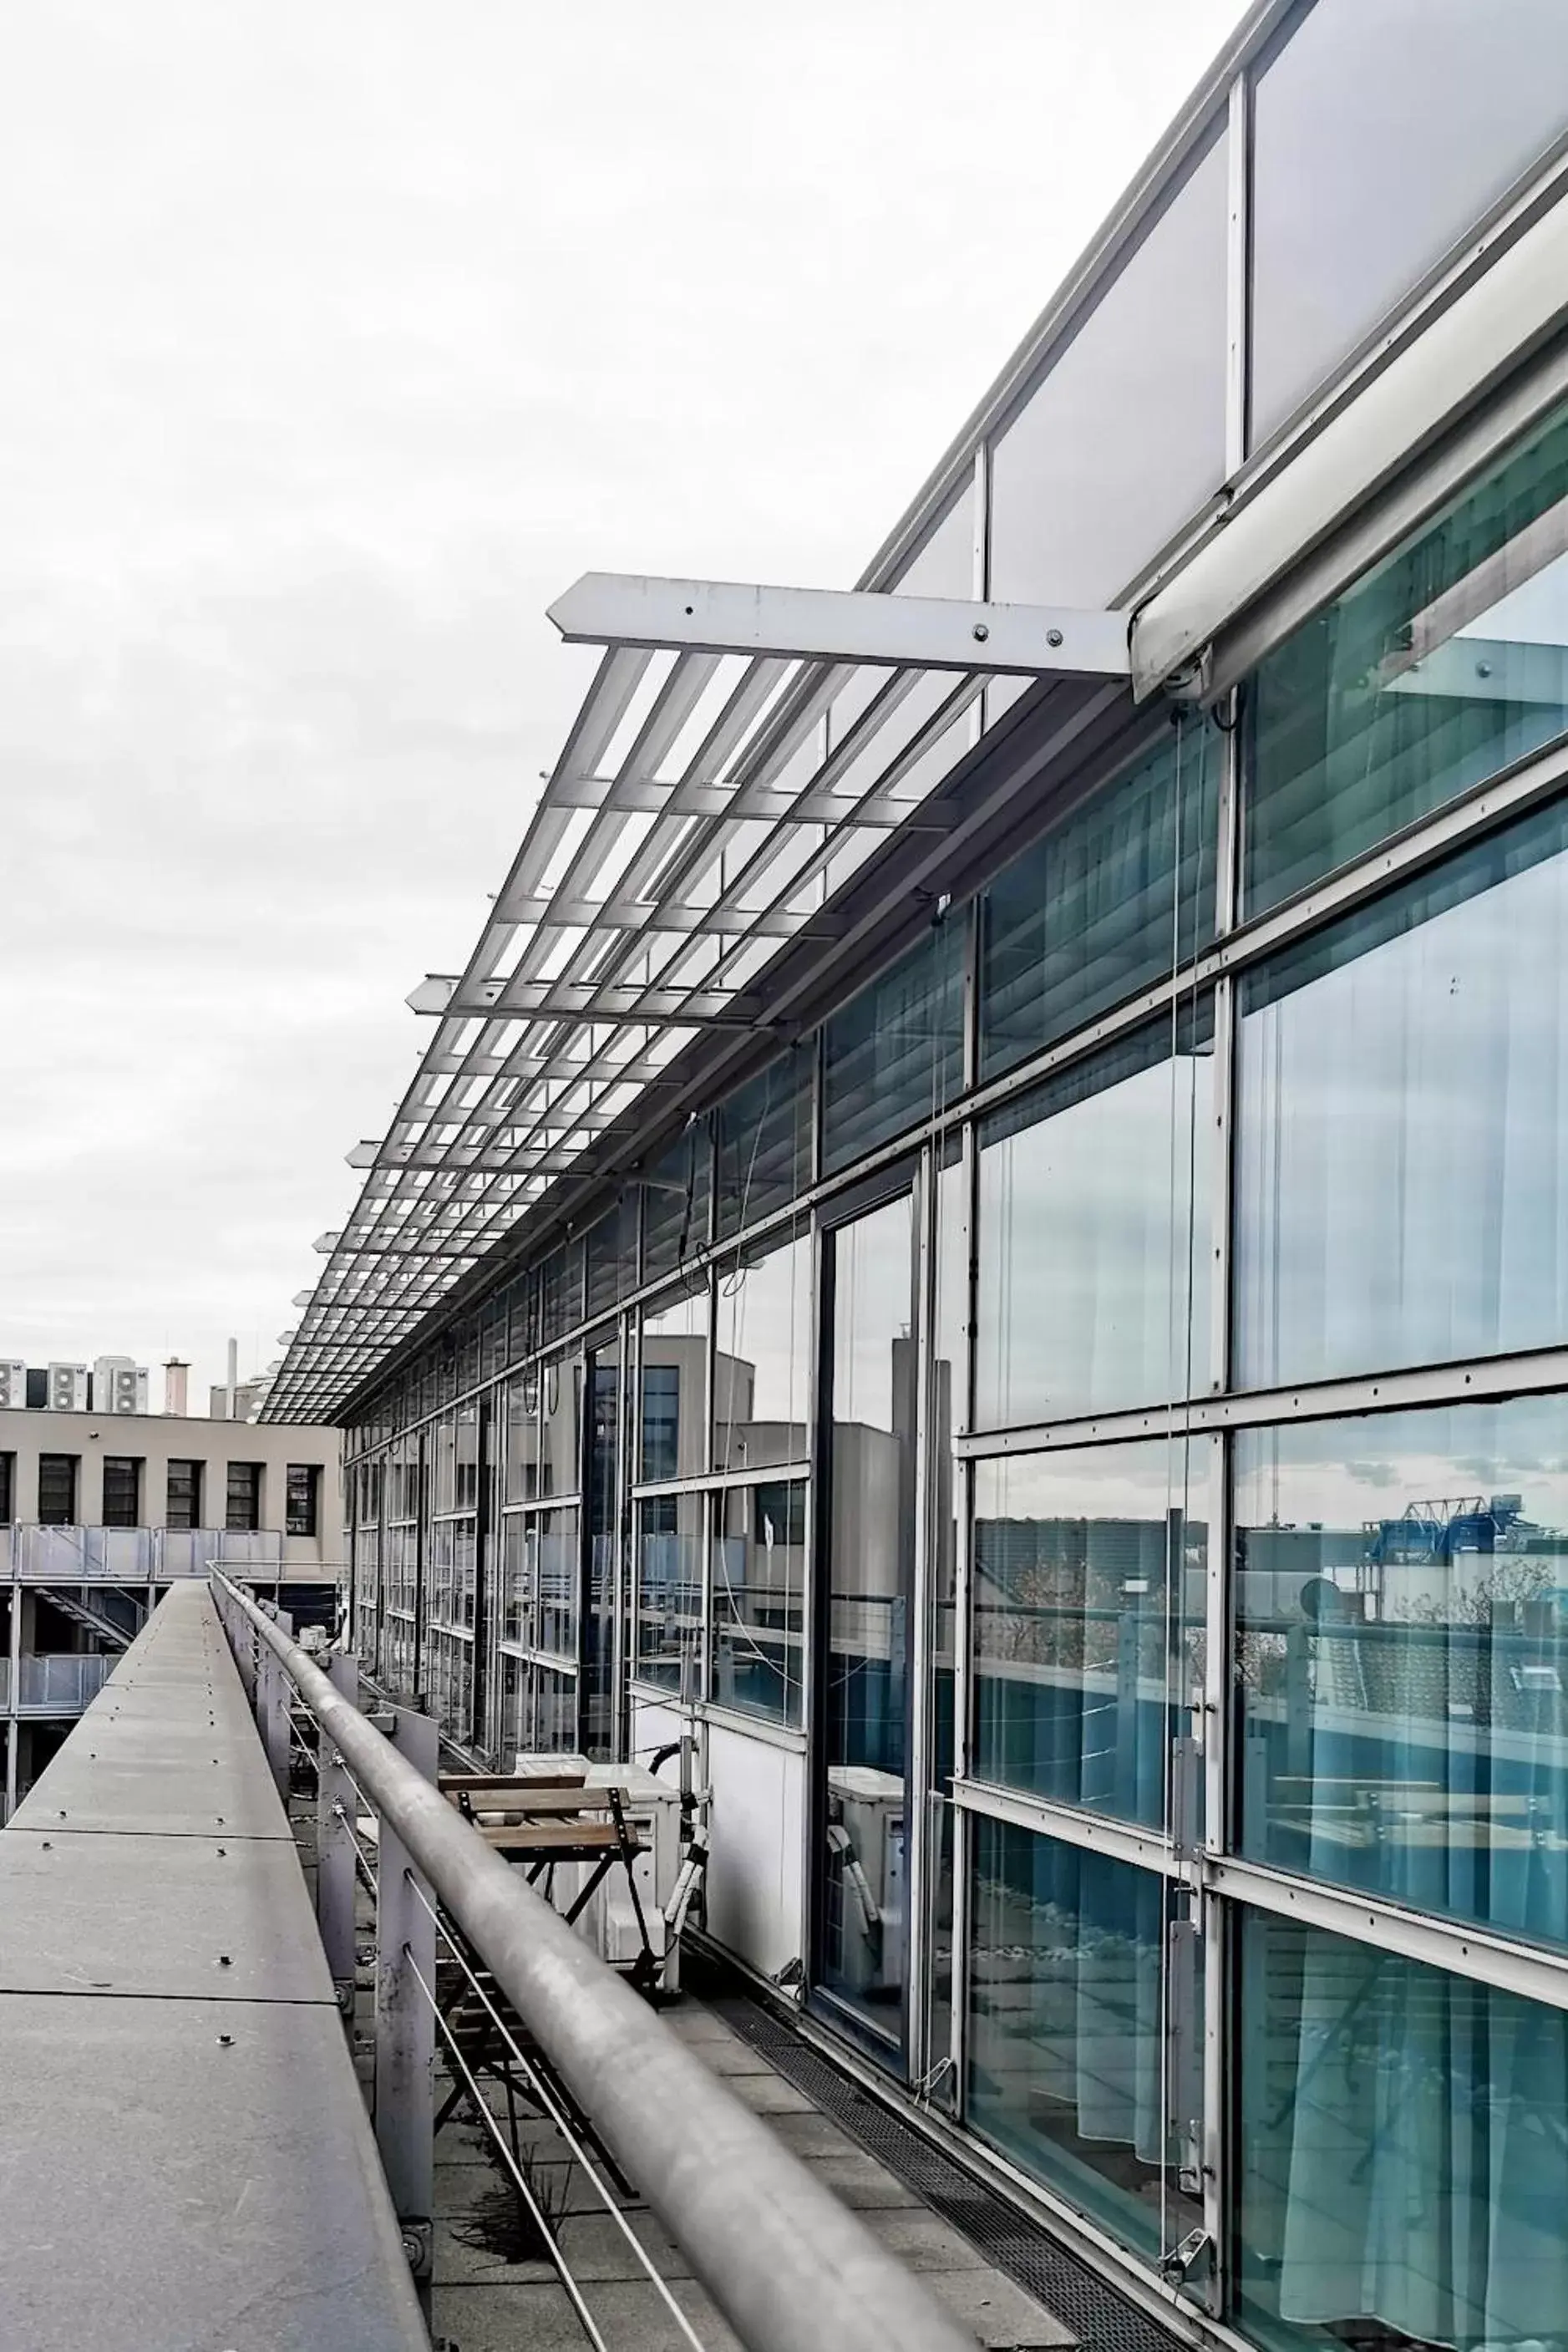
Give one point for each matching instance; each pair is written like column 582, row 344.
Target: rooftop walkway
column 185, row 2160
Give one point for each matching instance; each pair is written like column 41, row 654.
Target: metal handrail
column 792, row 2269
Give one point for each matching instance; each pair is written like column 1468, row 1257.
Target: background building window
column 121, row 1491
column 244, row 1496
column 303, row 1500
column 7, row 1488
column 56, row 1490
column 183, row 1506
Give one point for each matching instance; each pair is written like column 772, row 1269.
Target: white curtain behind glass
column 1402, row 1162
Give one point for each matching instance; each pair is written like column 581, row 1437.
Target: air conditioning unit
column 118, row 1385
column 866, row 1840
column 66, row 1390
column 13, row 1385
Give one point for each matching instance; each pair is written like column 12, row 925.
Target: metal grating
column 1102, row 2320
column 703, row 814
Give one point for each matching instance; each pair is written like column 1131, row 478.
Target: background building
column 988, row 1252
column 101, row 1510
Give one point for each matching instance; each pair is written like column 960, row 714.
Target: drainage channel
column 1102, row 2320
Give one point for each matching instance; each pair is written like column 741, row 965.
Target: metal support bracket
column 405, row 2024
column 730, row 617
column 336, row 1800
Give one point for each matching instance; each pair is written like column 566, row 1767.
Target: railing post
column 405, row 2025
column 336, row 1805
column 274, row 1695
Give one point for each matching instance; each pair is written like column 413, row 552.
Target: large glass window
column 560, row 1438
column 183, row 1502
column 1123, row 437
column 522, row 1438
column 677, row 1198
column 895, row 1053
column 599, row 1695
column 1067, row 2029
column 765, row 1142
column 1088, row 1616
column 1094, row 1242
column 1110, row 900
column 670, row 1591
column 758, row 1597
column 122, row 1492
column 869, row 1580
column 1407, row 122
column 764, row 1346
column 1402, row 1165
column 539, row 1574
column 1444, row 664
column 1403, row 2168
column 673, row 1425
column 1402, row 1656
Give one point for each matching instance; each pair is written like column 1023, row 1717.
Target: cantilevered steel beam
column 727, row 616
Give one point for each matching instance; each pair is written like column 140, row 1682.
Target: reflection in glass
column 561, row 1459
column 539, row 1580
column 1088, row 1609
column 894, row 1055
column 870, row 1546
column 1123, row 438
column 765, row 1142
column 670, row 1592
column 1408, row 121
column 1401, row 1171
column 598, row 1686
column 677, row 1195
column 1094, row 1232
column 1067, row 2029
column 948, row 1382
column 538, row 1710
column 1402, row 1657
column 758, row 1597
column 673, row 1425
column 1402, row 2165
column 764, row 1325
column 467, row 1465
column 1113, row 898
column 522, row 1438
column 1445, row 664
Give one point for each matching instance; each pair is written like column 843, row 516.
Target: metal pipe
column 790, row 2268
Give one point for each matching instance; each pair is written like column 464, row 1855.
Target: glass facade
column 1074, row 1432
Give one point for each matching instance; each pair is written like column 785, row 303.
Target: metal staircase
column 97, row 1621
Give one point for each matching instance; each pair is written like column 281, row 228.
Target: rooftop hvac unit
column 67, row 1389
column 118, row 1385
column 13, row 1385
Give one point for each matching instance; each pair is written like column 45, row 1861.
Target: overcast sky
column 338, row 338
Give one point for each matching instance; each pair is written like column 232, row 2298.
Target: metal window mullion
column 1124, row 1842
column 1534, row 1973
column 919, row 1940
column 1476, row 1380
column 1238, row 271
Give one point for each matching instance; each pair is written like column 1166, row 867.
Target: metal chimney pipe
column 229, row 1400
column 176, row 1371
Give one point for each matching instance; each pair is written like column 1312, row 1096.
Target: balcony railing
column 56, row 1685
column 133, row 1554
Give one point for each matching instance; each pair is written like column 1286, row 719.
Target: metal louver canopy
column 740, row 753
